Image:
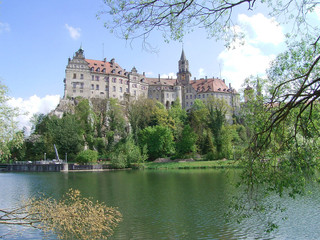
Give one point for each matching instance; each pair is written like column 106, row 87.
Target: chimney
column 144, row 74
column 195, row 78
column 224, row 80
column 159, row 77
column 230, row 86
column 105, row 59
column 206, row 77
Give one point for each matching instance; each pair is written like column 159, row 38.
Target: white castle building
column 106, row 79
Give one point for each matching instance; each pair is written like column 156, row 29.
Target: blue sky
column 37, row 37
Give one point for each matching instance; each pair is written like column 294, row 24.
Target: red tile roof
column 98, row 66
column 210, row 85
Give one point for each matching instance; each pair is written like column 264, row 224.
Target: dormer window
column 104, row 70
column 98, row 69
column 113, row 71
column 92, row 69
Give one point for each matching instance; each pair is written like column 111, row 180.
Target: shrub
column 127, row 153
column 87, row 156
column 159, row 141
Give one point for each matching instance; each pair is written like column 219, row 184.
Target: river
column 175, row 204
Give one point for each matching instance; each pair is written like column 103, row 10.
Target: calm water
column 182, row 204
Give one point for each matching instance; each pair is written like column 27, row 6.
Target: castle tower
column 183, row 76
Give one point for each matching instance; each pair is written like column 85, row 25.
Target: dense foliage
column 133, row 133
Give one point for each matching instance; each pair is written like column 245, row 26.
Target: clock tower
column 183, row 76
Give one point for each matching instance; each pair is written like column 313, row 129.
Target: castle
column 106, row 79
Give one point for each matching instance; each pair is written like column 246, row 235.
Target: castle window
column 187, row 97
column 97, row 87
column 114, row 88
column 190, row 96
column 203, row 95
column 81, row 76
column 120, row 81
column 107, row 88
column 92, row 77
column 92, row 86
column 199, row 96
column 187, row 104
column 114, row 80
column 97, row 78
column 106, row 79
column 120, row 89
column 81, row 85
column 74, row 85
column 127, row 90
column 74, row 76
column 167, row 95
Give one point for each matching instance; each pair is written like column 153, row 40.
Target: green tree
column 217, row 111
column 197, row 116
column 159, row 141
column 186, row 144
column 86, row 118
column 116, row 124
column 140, row 115
column 9, row 135
column 126, row 153
column 87, row 156
column 179, row 118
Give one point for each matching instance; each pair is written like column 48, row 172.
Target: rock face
column 64, row 106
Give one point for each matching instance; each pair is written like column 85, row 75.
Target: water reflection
column 177, row 204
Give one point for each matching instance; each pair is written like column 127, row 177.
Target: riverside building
column 89, row 78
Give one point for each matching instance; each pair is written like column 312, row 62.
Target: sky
column 37, row 38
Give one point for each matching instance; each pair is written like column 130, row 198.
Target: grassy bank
column 191, row 165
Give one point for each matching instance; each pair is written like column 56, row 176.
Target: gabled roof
column 110, row 67
column 161, row 81
column 210, row 85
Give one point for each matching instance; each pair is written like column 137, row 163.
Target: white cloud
column 242, row 62
column 201, row 72
column 250, row 58
column 169, row 75
column 33, row 105
column 74, row 32
column 265, row 30
column 4, row 27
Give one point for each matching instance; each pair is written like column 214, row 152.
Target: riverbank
column 188, row 165
column 65, row 167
